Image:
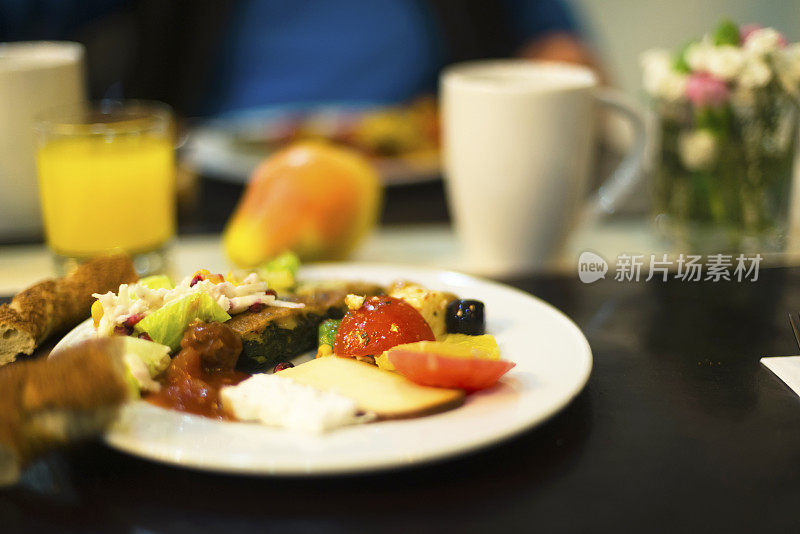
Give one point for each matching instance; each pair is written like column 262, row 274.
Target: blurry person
column 209, row 58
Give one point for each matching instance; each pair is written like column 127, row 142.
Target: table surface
column 680, row 428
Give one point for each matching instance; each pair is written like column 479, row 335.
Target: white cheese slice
column 277, row 401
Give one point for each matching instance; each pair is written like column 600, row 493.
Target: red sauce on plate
column 205, row 364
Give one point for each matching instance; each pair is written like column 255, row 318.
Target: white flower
column 756, row 73
column 698, row 56
column 660, row 79
column 724, row 62
column 697, row 149
column 763, row 41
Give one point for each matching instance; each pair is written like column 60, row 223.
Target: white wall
column 622, row 29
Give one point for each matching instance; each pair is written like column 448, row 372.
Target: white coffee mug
column 34, row 76
column 518, row 141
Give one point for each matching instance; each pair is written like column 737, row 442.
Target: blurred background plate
column 402, row 141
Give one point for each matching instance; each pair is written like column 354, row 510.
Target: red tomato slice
column 428, row 369
column 378, row 325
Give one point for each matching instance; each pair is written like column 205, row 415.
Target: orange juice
column 102, row 193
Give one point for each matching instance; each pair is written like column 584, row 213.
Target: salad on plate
column 226, row 347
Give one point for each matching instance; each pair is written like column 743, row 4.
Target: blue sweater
column 305, row 51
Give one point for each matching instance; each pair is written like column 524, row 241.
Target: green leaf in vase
column 726, row 33
column 679, row 63
column 716, row 120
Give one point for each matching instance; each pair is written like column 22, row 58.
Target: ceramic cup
column 518, row 140
column 34, row 76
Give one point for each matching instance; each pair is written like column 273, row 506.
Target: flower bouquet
column 728, row 110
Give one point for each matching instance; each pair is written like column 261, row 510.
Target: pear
column 313, row 198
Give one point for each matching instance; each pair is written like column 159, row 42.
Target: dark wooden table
column 680, row 429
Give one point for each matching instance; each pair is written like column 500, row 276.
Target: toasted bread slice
column 388, row 395
column 45, row 403
column 53, row 306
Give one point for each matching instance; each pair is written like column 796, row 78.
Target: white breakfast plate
column 553, row 364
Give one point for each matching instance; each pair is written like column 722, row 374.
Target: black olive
column 465, row 317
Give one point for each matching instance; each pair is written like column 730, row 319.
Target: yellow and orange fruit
column 313, row 198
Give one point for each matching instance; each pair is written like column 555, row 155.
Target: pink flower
column 703, row 89
column 746, row 30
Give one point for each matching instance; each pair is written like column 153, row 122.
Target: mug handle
column 628, row 173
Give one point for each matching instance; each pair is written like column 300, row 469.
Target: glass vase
column 724, row 175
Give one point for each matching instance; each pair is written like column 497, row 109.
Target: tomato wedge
column 429, row 369
column 379, row 324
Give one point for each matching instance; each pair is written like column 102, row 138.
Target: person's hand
column 562, row 47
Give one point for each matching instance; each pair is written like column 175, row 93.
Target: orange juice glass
column 107, row 182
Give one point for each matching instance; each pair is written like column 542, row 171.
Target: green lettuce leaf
column 279, row 273
column 157, row 281
column 167, row 324
column 144, row 360
column 155, row 356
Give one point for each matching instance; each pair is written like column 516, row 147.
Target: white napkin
column 787, row 368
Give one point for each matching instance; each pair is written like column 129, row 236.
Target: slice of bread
column 46, row 403
column 388, row 395
column 53, row 306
